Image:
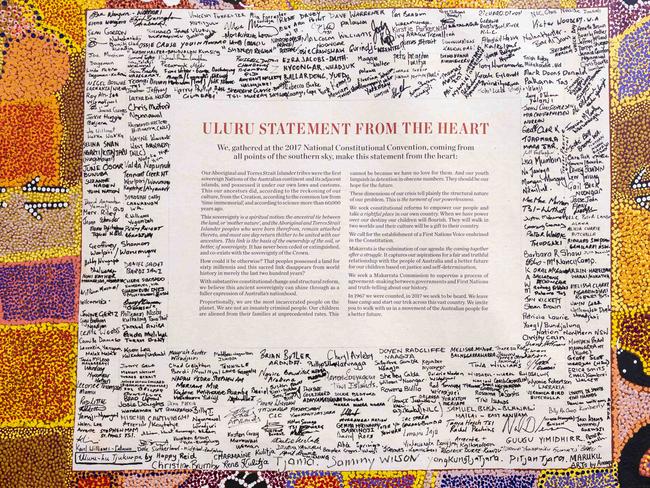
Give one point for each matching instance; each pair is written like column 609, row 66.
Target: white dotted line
column 637, row 184
column 241, row 481
column 32, row 206
column 32, row 187
column 643, row 201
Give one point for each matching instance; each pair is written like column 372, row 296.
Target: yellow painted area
column 349, row 477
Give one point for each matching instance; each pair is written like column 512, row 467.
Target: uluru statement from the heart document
column 345, row 240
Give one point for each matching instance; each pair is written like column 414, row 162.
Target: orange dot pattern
column 24, row 75
column 315, row 480
column 96, row 480
column 30, row 135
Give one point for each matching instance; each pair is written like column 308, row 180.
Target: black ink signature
column 381, row 33
column 397, row 91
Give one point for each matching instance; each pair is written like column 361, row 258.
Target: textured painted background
column 41, row 126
